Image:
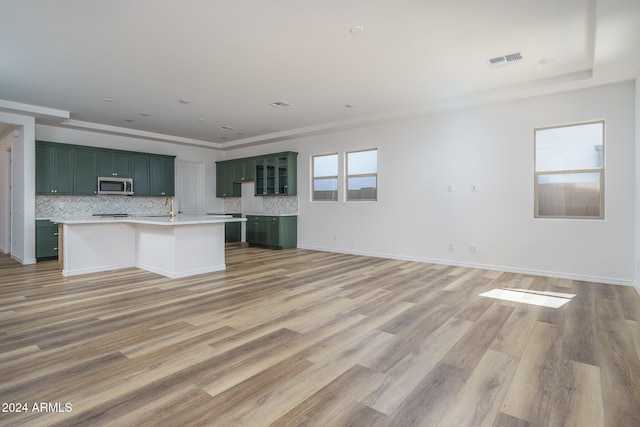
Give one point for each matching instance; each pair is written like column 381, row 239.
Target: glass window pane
column 325, row 165
column 325, row 189
column 362, row 162
column 362, row 188
column 569, row 147
column 572, row 194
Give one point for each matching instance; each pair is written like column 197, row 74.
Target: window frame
column 314, row 178
column 600, row 170
column 348, row 176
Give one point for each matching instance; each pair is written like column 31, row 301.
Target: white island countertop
column 151, row 220
column 184, row 245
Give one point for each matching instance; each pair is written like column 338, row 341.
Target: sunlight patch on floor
column 526, row 296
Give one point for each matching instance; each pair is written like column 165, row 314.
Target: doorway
column 190, row 185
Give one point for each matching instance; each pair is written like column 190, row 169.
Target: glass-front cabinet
column 276, row 176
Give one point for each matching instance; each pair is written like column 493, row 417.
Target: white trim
column 530, row 272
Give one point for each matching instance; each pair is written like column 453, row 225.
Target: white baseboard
column 531, row 272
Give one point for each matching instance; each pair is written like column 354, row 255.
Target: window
column 362, row 175
column 325, row 177
column 569, row 171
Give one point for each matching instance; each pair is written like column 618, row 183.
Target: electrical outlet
column 451, row 247
column 474, row 187
column 473, row 249
column 450, row 188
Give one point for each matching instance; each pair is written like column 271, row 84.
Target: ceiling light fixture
column 185, row 101
column 356, row 31
column 129, row 120
column 350, row 106
column 227, row 128
column 546, row 60
column 280, row 104
column 145, row 114
column 108, row 100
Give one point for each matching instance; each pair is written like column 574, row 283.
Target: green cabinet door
column 275, row 232
column 85, row 178
column 46, row 239
column 276, row 176
column 114, row 164
column 225, row 183
column 54, row 169
column 162, row 176
column 140, row 174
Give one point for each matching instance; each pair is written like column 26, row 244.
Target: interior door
column 190, row 188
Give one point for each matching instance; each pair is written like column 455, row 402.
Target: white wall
column 5, row 196
column 416, row 217
column 182, row 152
column 23, row 228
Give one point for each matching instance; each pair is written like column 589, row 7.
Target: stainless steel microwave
column 111, row 185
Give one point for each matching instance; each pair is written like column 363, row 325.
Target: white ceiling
column 60, row 60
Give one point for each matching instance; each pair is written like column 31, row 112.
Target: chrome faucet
column 169, row 202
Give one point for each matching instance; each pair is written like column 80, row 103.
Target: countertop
column 152, row 220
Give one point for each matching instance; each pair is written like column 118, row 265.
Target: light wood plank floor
column 297, row 337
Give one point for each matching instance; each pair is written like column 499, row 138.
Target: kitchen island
column 173, row 247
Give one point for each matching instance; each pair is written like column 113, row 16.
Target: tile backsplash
column 50, row 206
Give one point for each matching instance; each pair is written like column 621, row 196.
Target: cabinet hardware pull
column 55, row 234
column 55, row 249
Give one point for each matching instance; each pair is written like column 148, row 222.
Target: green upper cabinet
column 276, row 176
column 162, row 176
column 141, row 175
column 74, row 169
column 225, row 182
column 54, row 169
column 244, row 170
column 85, row 177
column 114, row 164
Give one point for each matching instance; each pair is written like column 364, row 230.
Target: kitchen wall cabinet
column 54, row 169
column 140, row 173
column 46, row 239
column 85, row 172
column 226, row 186
column 114, row 164
column 274, row 175
column 276, row 232
column 74, row 170
column 162, row 176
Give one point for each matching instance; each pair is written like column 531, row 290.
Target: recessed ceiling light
column 129, row 120
column 108, row 100
column 201, row 119
column 546, row 60
column 356, row 30
column 185, row 101
column 350, row 106
column 145, row 114
column 240, row 133
column 280, row 104
column 227, row 128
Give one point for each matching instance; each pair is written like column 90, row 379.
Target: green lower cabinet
column 46, row 240
column 276, row 232
column 233, row 230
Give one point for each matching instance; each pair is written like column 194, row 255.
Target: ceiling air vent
column 499, row 61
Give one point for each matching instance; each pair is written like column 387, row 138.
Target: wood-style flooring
column 298, row 337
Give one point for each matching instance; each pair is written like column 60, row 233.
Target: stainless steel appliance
column 112, row 185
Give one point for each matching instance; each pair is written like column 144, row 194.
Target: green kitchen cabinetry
column 233, row 230
column 84, row 178
column 141, row 175
column 276, row 175
column 276, row 232
column 74, row 170
column 230, row 174
column 46, row 239
column 225, row 183
column 112, row 163
column 54, row 169
column 162, row 176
